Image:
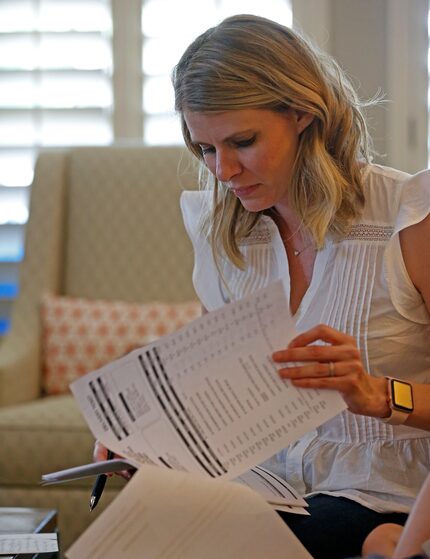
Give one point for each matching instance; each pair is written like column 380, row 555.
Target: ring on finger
column 331, row 372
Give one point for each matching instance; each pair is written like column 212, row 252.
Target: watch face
column 402, row 395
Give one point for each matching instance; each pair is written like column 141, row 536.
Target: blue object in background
column 4, row 326
column 8, row 290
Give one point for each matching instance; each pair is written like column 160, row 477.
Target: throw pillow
column 81, row 335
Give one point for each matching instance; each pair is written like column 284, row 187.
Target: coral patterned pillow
column 80, row 335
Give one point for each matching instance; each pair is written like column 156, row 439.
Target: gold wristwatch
column 400, row 400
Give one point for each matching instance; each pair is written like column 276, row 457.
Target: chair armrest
column 20, row 349
column 19, row 369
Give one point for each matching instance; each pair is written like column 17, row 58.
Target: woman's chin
column 255, row 205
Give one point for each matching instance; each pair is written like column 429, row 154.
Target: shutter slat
column 55, row 79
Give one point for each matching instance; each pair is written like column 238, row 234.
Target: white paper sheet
column 166, row 514
column 270, row 486
column 87, row 470
column 27, row 543
column 207, row 398
column 277, row 492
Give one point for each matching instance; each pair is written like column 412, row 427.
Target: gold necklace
column 286, row 240
column 295, row 251
column 299, row 252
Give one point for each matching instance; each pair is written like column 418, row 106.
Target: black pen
column 99, row 485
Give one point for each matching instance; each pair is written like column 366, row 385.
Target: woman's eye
column 245, row 143
column 206, row 149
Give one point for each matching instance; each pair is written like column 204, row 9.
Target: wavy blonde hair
column 252, row 62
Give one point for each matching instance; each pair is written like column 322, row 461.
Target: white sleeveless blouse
column 360, row 286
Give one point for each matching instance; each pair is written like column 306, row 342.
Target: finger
column 321, row 332
column 323, row 383
column 125, row 474
column 315, row 370
column 100, row 452
column 322, row 353
column 349, row 370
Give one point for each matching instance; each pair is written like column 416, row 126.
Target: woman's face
column 252, row 151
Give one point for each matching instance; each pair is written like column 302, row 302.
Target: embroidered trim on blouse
column 360, row 232
column 258, row 236
column 365, row 232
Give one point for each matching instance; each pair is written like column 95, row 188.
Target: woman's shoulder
column 194, row 199
column 194, row 204
column 380, row 176
column 389, row 191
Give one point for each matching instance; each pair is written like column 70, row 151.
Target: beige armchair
column 104, row 224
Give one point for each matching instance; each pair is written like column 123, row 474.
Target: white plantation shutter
column 55, row 90
column 56, row 66
column 55, row 79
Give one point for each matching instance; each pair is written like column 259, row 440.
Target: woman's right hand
column 100, row 453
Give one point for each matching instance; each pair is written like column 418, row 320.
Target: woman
column 291, row 194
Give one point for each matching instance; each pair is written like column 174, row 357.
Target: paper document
column 166, row 514
column 207, row 398
column 27, row 543
column 277, row 492
column 88, row 470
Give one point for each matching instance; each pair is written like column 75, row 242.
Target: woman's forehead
column 223, row 125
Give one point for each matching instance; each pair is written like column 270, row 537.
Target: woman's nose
column 227, row 166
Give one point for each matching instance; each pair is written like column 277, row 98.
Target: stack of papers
column 166, row 514
column 275, row 490
column 206, row 400
column 11, row 544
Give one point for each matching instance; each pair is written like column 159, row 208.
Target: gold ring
column 331, row 369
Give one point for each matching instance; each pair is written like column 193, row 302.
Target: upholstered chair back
column 104, row 223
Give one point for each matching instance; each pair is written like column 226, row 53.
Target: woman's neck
column 290, row 226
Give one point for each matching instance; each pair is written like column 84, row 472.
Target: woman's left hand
column 336, row 365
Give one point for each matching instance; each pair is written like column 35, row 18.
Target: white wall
column 382, row 44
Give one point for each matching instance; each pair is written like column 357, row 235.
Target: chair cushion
column 81, row 335
column 40, row 437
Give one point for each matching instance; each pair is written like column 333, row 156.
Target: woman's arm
column 363, row 393
column 417, row 528
column 338, row 366
column 415, row 244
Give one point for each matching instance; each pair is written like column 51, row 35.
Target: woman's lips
column 244, row 191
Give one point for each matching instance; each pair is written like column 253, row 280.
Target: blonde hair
column 251, row 62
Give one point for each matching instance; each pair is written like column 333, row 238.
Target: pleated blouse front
column 360, row 286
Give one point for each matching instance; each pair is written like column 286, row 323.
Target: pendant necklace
column 296, row 252
column 299, row 252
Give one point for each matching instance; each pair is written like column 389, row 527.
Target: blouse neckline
column 282, row 261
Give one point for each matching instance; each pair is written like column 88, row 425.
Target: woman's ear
column 303, row 119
